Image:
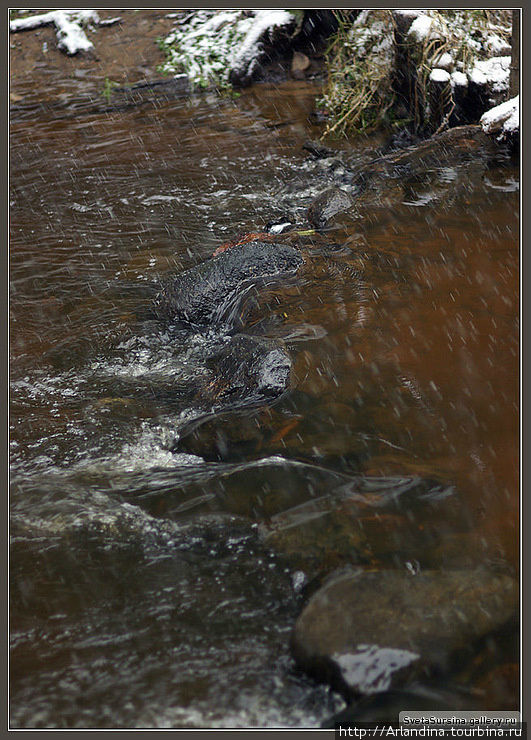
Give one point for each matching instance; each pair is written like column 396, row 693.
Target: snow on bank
column 494, row 73
column 256, row 28
column 426, row 28
column 472, row 47
column 504, row 118
column 212, row 43
column 370, row 38
column 68, row 24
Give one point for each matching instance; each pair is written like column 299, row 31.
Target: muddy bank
column 125, row 52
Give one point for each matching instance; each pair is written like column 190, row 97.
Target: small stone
column 299, row 64
column 327, row 205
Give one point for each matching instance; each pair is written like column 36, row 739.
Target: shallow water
column 143, row 594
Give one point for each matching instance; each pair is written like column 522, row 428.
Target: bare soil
column 124, row 53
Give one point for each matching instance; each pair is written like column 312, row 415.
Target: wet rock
column 327, row 205
column 250, row 370
column 367, row 631
column 279, row 431
column 230, row 436
column 317, row 150
column 212, row 292
column 386, row 706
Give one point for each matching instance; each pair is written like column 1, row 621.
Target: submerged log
column 452, row 148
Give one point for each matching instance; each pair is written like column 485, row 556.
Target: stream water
column 143, row 594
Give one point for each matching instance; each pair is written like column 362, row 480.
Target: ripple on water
column 143, row 594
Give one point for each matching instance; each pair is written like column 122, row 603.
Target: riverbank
column 403, row 71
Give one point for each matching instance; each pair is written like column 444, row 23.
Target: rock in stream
column 249, row 370
column 327, row 205
column 211, row 292
column 365, row 631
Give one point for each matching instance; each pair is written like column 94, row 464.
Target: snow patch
column 497, row 45
column 459, row 79
column 407, row 12
column 445, row 61
column 493, row 72
column 370, row 38
column 425, row 28
column 214, row 42
column 439, row 75
column 370, row 669
column 264, row 21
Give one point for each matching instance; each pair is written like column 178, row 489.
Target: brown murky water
column 131, row 611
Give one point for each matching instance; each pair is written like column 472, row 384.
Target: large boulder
column 366, row 632
column 212, row 291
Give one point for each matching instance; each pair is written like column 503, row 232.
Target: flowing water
column 143, row 593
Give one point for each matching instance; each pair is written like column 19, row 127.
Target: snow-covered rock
column 458, row 79
column 504, row 119
column 445, row 61
column 493, row 73
column 425, row 28
column 246, row 56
